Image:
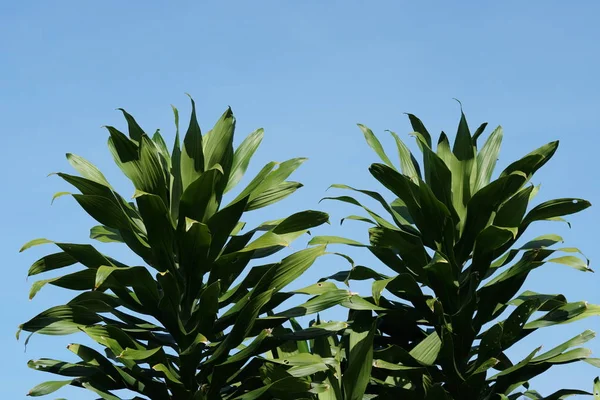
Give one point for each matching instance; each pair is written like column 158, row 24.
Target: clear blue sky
column 306, row 71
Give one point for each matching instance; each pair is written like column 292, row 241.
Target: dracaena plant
column 178, row 326
column 456, row 304
column 338, row 364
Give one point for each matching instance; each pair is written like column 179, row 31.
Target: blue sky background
column 306, row 71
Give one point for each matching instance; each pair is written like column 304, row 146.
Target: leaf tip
column 459, row 103
column 192, row 100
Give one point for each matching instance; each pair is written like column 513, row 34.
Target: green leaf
column 85, row 254
column 573, row 262
column 87, row 169
column 511, row 213
column 59, row 194
column 360, row 357
column 513, row 326
column 92, row 357
column 375, row 145
column 103, row 210
column 159, row 229
column 408, row 246
column 426, row 352
column 318, row 240
column 138, row 355
column 169, row 374
column 355, row 302
column 408, row 164
column 570, row 356
column 357, row 218
column 80, row 280
column 51, row 262
column 403, row 219
column 275, row 176
column 564, row 393
column 255, row 182
column 252, row 349
column 123, row 149
column 481, row 207
column 315, row 331
column 287, row 385
column 358, row 273
column 138, row 278
column 208, row 308
column 317, row 304
column 310, row 363
column 63, row 368
column 218, row 144
column 192, row 155
column 486, row 365
column 405, row 189
column 437, row 392
column 101, row 393
column 162, row 148
column 486, row 159
column 105, row 234
column 176, row 184
column 142, row 164
column 382, row 364
column 47, row 387
column 242, row 156
column 288, row 270
column 490, row 345
column 223, row 224
column 61, row 320
column 575, row 341
column 565, row 313
column 34, row 242
column 301, row 221
column 268, row 241
column 200, row 200
column 487, row 244
column 242, row 326
column 532, row 161
column 273, row 195
column 554, row 208
column 517, row 366
column 549, row 301
column 463, row 148
column 348, row 199
column 418, row 126
column 135, row 131
column 478, row 133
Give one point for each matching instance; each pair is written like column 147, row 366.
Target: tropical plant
column 179, row 326
column 339, row 365
column 451, row 239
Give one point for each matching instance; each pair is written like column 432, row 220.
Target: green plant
column 338, row 364
column 179, row 326
column 450, row 238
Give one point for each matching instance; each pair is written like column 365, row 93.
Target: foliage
column 451, row 237
column 189, row 323
column 200, row 321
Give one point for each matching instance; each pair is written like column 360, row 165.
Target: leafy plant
column 451, row 238
column 338, row 364
column 189, row 322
